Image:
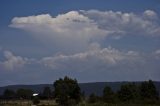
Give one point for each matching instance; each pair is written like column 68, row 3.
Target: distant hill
column 88, row 88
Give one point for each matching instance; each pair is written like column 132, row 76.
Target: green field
column 53, row 103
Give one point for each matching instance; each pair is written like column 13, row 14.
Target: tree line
column 67, row 92
column 26, row 94
column 145, row 92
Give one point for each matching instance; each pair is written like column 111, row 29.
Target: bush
column 93, row 98
column 36, row 100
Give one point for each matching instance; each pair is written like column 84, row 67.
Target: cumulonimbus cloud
column 90, row 23
column 84, row 27
column 63, row 30
column 81, row 29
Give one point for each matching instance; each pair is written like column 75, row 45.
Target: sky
column 90, row 40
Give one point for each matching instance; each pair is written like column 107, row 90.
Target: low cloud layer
column 95, row 58
column 102, row 63
column 12, row 62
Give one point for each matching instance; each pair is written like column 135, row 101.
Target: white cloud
column 126, row 23
column 157, row 54
column 79, row 30
column 150, row 14
column 75, row 30
column 94, row 59
column 12, row 62
column 109, row 61
column 63, row 30
column 87, row 24
column 84, row 22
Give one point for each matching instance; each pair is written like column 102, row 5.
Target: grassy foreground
column 28, row 103
column 53, row 103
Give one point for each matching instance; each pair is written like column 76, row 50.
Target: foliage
column 9, row 94
column 67, row 91
column 36, row 100
column 128, row 92
column 47, row 93
column 108, row 95
column 24, row 93
column 148, row 91
column 93, row 98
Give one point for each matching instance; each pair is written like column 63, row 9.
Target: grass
column 27, row 103
column 53, row 103
column 105, row 104
column 114, row 104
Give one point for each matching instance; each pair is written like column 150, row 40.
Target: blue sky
column 91, row 40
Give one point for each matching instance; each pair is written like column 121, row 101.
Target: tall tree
column 9, row 94
column 108, row 95
column 148, row 90
column 47, row 93
column 128, row 92
column 67, row 91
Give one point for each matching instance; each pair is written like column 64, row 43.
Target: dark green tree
column 47, row 93
column 67, row 91
column 9, row 94
column 108, row 95
column 148, row 91
column 128, row 92
column 24, row 93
